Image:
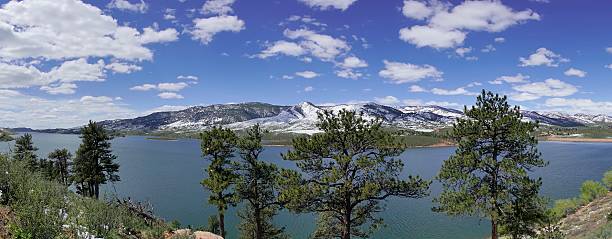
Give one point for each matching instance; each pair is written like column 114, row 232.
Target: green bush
column 592, row 190
column 607, row 179
column 563, row 207
column 46, row 209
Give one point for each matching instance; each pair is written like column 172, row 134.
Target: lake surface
column 168, row 175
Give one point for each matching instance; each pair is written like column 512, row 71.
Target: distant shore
column 578, row 139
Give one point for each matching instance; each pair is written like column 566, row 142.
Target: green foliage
column 94, row 163
column 213, row 225
column 526, row 211
column 564, row 207
column 258, row 187
column 47, row 209
column 591, row 190
column 495, row 151
column 25, row 151
column 218, row 146
column 607, row 179
column 346, row 174
column 5, row 136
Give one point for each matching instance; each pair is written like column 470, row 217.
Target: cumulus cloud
column 580, row 105
column 120, row 67
column 329, row 4
column 63, row 88
column 609, row 50
column 417, row 88
column 52, row 33
column 348, row 67
column 609, row 66
column 161, row 87
column 398, row 72
column 544, row 57
column 31, row 111
column 447, row 26
column 307, row 74
column 387, row 100
column 463, row 50
column 187, row 77
column 575, row 72
column 170, row 95
column 518, row 78
column 308, row 89
column 220, row 7
column 128, row 6
column 304, row 41
column 499, row 39
column 353, row 62
column 457, row 91
column 549, row 88
column 206, row 28
column 22, row 76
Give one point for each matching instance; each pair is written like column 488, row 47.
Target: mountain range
column 301, row 118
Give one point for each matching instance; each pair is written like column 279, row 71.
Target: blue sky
column 63, row 62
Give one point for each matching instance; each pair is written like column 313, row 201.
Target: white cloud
column 161, row 87
column 187, row 77
column 499, row 39
column 219, row 7
column 575, row 72
column 543, row 56
column 398, row 72
column 206, row 28
column 128, row 6
column 63, row 88
column 150, row 35
column 329, row 4
column 549, row 88
column 580, row 105
column 419, row 102
column 78, row 70
column 609, row 66
column 458, row 91
column 287, row 77
column 282, row 47
column 16, row 76
column 609, row 50
column 349, row 73
column 322, row 46
column 169, row 95
column 171, row 86
column 387, row 100
column 488, row 48
column 448, row 26
column 518, row 78
column 307, row 74
column 417, row 88
column 31, row 111
column 120, row 67
column 170, row 14
column 52, row 32
column 308, row 89
column 423, row 36
column 353, row 62
column 463, row 50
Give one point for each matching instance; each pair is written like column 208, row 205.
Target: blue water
column 167, row 174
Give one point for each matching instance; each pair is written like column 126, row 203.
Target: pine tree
column 488, row 171
column 218, row 147
column 347, row 172
column 26, row 151
column 60, row 162
column 94, row 163
column 258, row 186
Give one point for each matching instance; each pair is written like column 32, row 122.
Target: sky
column 64, row 62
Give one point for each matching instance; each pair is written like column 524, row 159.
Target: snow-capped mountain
column 302, row 118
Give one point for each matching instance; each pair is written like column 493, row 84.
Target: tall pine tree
column 487, row 174
column 258, row 186
column 347, row 172
column 26, row 151
column 218, row 147
column 60, row 162
column 94, row 163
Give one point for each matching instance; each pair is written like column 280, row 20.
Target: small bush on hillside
column 563, row 207
column 592, row 190
column 607, row 179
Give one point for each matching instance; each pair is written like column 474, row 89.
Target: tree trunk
column 493, row 229
column 222, row 224
column 97, row 190
column 258, row 229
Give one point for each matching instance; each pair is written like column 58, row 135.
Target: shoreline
column 578, row 140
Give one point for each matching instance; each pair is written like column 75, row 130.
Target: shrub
column 592, row 190
column 607, row 179
column 564, row 207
